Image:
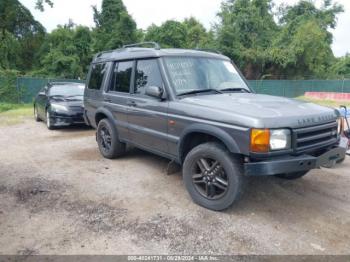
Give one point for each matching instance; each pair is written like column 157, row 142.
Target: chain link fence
column 24, row 89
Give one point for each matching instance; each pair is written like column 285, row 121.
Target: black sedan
column 60, row 104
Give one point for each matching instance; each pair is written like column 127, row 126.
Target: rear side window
column 97, row 74
column 147, row 74
column 122, row 77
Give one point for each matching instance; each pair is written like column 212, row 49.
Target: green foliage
column 245, row 33
column 66, row 52
column 7, row 107
column 39, row 4
column 8, row 90
column 169, row 34
column 9, row 50
column 114, row 26
column 341, row 67
column 303, row 45
column 20, row 33
column 187, row 34
column 294, row 42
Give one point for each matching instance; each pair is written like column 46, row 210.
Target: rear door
column 147, row 115
column 117, row 94
column 93, row 92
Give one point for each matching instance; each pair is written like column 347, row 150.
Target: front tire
column 108, row 140
column 213, row 178
column 48, row 121
column 293, row 176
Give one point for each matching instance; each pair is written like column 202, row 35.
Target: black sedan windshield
column 67, row 90
column 191, row 74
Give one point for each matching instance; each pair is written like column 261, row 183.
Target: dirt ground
column 59, row 196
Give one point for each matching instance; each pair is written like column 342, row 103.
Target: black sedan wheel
column 108, row 140
column 36, row 115
column 213, row 178
column 49, row 124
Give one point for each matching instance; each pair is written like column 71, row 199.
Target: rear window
column 122, row 77
column 97, row 74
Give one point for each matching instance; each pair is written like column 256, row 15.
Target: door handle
column 131, row 103
column 108, row 100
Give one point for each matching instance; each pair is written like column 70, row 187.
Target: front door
column 148, row 116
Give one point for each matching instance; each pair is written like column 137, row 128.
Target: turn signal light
column 260, row 140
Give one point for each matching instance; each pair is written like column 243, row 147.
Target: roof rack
column 209, row 50
column 155, row 45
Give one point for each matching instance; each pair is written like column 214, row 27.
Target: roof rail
column 209, row 50
column 155, row 45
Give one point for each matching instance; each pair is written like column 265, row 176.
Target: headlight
column 265, row 140
column 280, row 139
column 59, row 108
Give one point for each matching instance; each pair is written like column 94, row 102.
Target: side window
column 147, row 74
column 122, row 77
column 96, row 78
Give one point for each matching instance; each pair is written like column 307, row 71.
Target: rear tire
column 36, row 115
column 292, row 176
column 108, row 140
column 213, row 178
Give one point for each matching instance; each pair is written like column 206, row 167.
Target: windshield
column 67, row 90
column 197, row 73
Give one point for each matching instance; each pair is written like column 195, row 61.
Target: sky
column 146, row 12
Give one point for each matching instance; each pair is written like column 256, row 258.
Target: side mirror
column 154, row 91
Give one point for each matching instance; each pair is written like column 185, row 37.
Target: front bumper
column 291, row 164
column 59, row 120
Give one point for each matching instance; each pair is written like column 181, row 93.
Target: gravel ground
column 59, row 196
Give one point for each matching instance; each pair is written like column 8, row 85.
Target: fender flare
column 107, row 113
column 214, row 131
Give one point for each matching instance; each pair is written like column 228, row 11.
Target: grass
column 12, row 114
column 330, row 103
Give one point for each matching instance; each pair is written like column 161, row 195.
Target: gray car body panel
column 228, row 117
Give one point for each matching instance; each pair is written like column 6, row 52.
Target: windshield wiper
column 198, row 91
column 235, row 89
column 73, row 96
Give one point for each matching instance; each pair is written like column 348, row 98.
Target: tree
column 196, row 34
column 114, row 26
column 9, row 51
column 15, row 19
column 170, row 34
column 66, row 52
column 245, row 32
column 187, row 34
column 341, row 67
column 39, row 4
column 303, row 45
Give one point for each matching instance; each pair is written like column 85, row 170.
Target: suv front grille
column 315, row 137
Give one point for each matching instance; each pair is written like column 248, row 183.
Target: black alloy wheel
column 209, row 178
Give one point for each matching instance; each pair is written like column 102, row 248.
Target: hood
column 262, row 111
